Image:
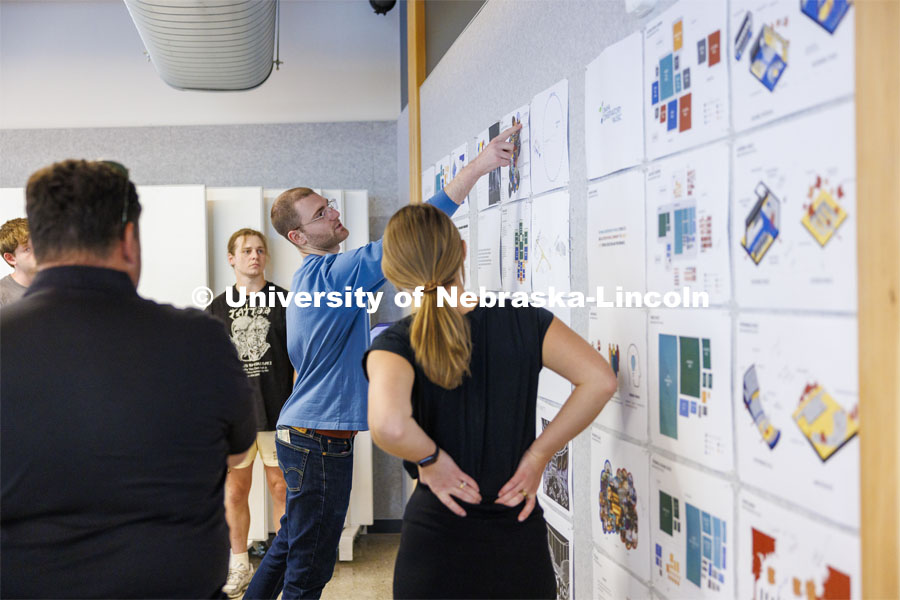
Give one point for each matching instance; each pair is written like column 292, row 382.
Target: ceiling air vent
column 220, row 45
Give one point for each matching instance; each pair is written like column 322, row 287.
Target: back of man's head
column 78, row 207
column 13, row 233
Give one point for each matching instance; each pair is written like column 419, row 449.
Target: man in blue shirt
column 328, row 404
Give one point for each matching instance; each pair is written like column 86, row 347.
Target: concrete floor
column 370, row 575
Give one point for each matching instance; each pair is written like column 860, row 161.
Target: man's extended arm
column 496, row 154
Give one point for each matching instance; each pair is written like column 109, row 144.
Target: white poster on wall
column 615, row 234
column 687, row 224
column 690, row 385
column 442, row 173
column 489, row 249
column 685, row 77
column 462, row 224
column 789, row 56
column 515, row 180
column 555, row 491
column 550, row 250
column 797, row 404
column 612, row 582
column 428, row 183
column 550, row 139
column 459, row 159
column 620, row 501
column 515, row 246
column 613, row 108
column 620, row 336
column 794, row 216
column 560, row 536
column 784, row 554
column 552, row 385
column 692, row 531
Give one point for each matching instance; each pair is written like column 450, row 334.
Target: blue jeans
column 318, row 471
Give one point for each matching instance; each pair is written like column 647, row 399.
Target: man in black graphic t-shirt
column 259, row 335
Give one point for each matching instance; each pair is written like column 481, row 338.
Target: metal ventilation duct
column 208, row 44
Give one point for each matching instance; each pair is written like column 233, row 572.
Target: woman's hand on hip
column 447, row 480
column 523, row 485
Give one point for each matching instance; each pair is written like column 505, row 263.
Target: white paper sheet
column 613, row 108
column 615, row 234
column 459, row 159
column 515, row 249
column 788, row 61
column 550, row 139
column 687, row 224
column 562, row 553
column 428, row 183
column 620, row 336
column 489, row 249
column 442, row 173
column 690, row 384
column 692, row 531
column 462, row 224
column 799, row 375
column 551, row 385
column 620, row 501
column 555, row 491
column 488, row 187
column 795, row 213
column 515, row 180
column 612, row 582
column 551, row 249
column 783, row 554
column 686, row 77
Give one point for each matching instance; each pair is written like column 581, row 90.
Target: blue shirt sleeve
column 361, row 268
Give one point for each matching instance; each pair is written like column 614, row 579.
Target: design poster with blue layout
column 788, row 56
column 690, row 385
column 691, row 531
column 685, row 77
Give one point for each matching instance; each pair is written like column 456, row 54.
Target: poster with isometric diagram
column 691, row 531
column 555, row 491
column 620, row 336
column 551, row 385
column 612, row 582
column 489, row 249
column 615, row 234
column 788, row 56
column 560, row 538
column 783, row 555
column 515, row 180
column 613, row 117
column 690, row 385
column 687, row 224
column 550, row 248
column 794, row 215
column 620, row 501
column 550, row 139
column 516, row 246
column 685, row 77
column 459, row 159
column 797, row 417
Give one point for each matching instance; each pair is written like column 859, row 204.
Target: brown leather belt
column 335, row 433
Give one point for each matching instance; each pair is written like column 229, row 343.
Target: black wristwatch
column 428, row 460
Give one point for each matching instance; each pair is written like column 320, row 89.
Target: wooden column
column 415, row 36
column 878, row 233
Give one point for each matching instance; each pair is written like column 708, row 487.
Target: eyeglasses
column 121, row 170
column 324, row 213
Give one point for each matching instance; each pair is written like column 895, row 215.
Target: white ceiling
column 81, row 63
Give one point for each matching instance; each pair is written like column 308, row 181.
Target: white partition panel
column 227, row 210
column 12, row 206
column 284, row 258
column 173, row 242
column 356, row 218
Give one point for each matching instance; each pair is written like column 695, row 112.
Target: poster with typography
column 612, row 582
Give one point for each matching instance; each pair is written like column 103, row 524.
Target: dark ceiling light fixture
column 382, row 7
column 213, row 45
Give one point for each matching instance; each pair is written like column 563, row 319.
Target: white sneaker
column 239, row 578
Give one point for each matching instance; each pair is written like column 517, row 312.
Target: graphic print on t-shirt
column 249, row 328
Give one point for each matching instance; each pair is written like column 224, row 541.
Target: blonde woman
column 452, row 391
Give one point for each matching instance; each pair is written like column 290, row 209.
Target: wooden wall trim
column 415, row 30
column 878, row 233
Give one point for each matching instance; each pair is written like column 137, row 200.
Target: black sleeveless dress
column 485, row 425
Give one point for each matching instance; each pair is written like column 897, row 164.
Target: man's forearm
column 463, row 183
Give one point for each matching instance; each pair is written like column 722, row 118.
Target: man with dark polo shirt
column 258, row 331
column 120, row 415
